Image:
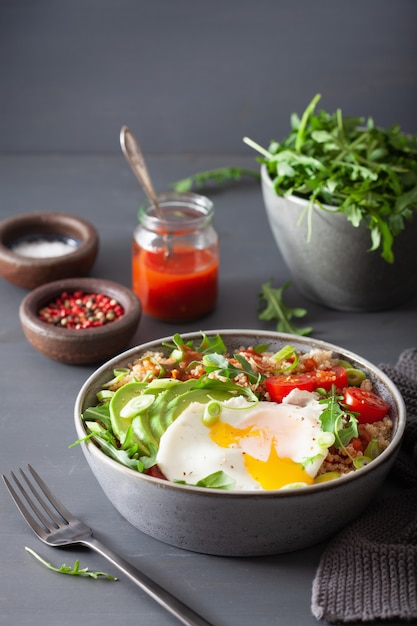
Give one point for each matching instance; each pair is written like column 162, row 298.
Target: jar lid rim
column 197, row 211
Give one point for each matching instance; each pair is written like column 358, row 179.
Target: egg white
column 246, row 443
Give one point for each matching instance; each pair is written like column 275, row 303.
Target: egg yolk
column 272, row 473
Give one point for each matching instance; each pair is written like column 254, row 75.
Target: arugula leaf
column 226, row 387
column 219, row 363
column 217, row 480
column 336, row 419
column 219, row 176
column 99, row 413
column 332, row 414
column 350, row 430
column 214, row 362
column 301, row 130
column 211, row 344
column 275, row 308
column 253, row 376
column 71, row 571
column 207, row 345
column 124, row 457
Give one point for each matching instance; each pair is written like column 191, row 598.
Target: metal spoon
column 136, row 160
column 134, row 156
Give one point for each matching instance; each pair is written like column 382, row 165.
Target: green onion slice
column 286, row 353
column 361, row 461
column 355, row 377
column 104, row 394
column 323, row 478
column 211, row 414
column 372, row 449
column 136, row 405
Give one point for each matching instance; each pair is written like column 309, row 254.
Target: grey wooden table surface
column 36, row 414
column 190, row 78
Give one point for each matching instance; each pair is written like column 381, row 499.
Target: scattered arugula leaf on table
column 274, row 308
column 219, row 176
column 71, row 571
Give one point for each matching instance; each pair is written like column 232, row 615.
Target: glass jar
column 175, row 258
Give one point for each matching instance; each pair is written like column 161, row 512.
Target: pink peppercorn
column 80, row 310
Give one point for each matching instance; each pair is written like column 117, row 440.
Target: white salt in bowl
column 38, row 248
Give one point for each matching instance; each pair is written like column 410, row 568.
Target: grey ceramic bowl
column 84, row 346
column 335, row 268
column 31, row 272
column 238, row 523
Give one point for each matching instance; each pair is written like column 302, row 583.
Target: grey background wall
column 195, row 76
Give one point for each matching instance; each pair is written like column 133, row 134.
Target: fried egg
column 260, row 446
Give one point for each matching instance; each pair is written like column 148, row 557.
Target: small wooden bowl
column 86, row 345
column 30, row 272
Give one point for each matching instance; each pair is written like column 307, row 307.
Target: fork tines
column 57, row 515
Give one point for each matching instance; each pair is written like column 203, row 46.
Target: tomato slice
column 280, row 386
column 155, row 472
column 324, row 379
column 369, row 406
column 356, row 443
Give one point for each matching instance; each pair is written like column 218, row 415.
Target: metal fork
column 56, row 526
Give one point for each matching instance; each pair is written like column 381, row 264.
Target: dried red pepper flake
column 80, row 310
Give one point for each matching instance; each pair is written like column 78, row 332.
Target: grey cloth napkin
column 368, row 572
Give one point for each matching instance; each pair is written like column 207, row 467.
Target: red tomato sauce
column 179, row 288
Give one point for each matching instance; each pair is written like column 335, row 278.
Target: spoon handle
column 134, row 156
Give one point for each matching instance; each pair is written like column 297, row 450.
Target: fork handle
column 169, row 602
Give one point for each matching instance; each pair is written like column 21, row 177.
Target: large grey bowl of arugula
column 233, row 522
column 341, row 199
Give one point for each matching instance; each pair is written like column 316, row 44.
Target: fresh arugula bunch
column 368, row 173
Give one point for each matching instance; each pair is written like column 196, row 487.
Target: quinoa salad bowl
column 239, row 442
